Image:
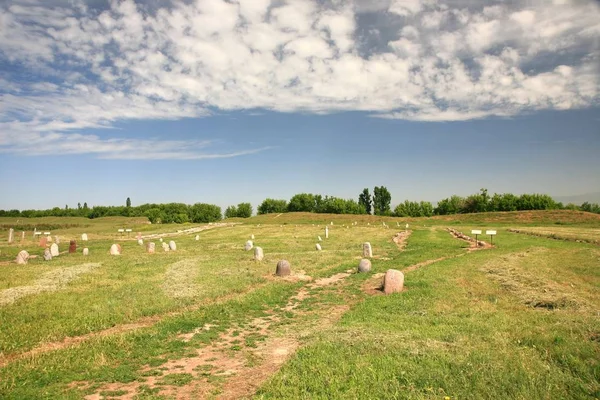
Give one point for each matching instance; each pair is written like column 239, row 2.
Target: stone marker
column 283, row 268
column 393, row 281
column 54, row 250
column 252, row 236
column 86, row 251
column 115, row 250
column 319, row 237
column 160, row 240
column 326, row 233
column 56, row 240
column 22, row 236
column 331, row 222
column 11, row 235
column 248, row 245
column 138, row 236
column 22, row 257
column 165, row 247
column 197, row 237
column 150, row 247
column 258, row 253
column 172, row 245
column 140, row 242
column 72, row 246
column 47, row 255
column 368, row 223
column 318, row 247
column 84, row 237
column 367, row 250
column 43, row 241
column 364, row 265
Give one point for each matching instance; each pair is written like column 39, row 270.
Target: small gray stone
column 165, row 246
column 367, row 250
column 84, row 237
column 283, row 268
column 318, row 247
column 172, row 245
column 54, row 250
column 258, row 253
column 47, row 255
column 248, row 245
column 22, row 257
column 364, row 265
column 393, row 281
column 86, row 251
column 197, row 237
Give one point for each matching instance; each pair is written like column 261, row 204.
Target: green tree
column 85, row 206
column 244, row 210
column 452, row 205
column 303, row 202
column 202, row 212
column 381, row 200
column 128, row 202
column 231, row 212
column 269, row 206
column 364, row 199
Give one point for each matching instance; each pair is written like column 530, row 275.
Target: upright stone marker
column 318, row 247
column 165, row 246
column 140, row 242
column 115, row 250
column 367, row 250
column 72, row 246
column 248, row 245
column 197, row 237
column 43, row 241
column 47, row 255
column 252, row 236
column 326, row 233
column 22, row 257
column 139, row 236
column 172, row 245
column 283, row 268
column 11, row 235
column 86, row 251
column 258, row 253
column 56, row 240
column 54, row 250
column 393, row 281
column 22, row 236
column 84, row 237
column 319, row 237
column 151, row 248
column 364, row 265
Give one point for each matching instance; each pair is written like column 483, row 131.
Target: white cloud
column 448, row 61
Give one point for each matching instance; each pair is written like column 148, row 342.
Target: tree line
column 378, row 203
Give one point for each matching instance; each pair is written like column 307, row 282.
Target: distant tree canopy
column 156, row 213
column 269, row 206
column 364, row 199
column 243, row 210
column 308, row 202
column 381, row 200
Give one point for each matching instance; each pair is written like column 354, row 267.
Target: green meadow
column 519, row 320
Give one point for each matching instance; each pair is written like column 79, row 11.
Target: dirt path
column 145, row 322
column 473, row 244
column 187, row 231
column 242, row 358
column 401, row 238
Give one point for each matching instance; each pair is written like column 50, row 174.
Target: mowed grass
column 517, row 321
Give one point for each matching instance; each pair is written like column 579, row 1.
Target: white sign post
column 492, row 234
column 121, row 231
column 128, row 232
column 476, row 232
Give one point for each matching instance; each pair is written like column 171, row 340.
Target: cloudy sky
column 224, row 101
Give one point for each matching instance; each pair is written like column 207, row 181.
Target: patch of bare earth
column 473, row 244
column 401, row 238
column 145, row 322
column 242, row 358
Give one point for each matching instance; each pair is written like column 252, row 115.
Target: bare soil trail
column 244, row 356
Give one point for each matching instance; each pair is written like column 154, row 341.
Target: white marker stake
column 492, row 234
column 476, row 232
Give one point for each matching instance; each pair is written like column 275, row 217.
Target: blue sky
column 229, row 101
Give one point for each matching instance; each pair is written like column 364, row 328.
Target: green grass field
column 520, row 320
